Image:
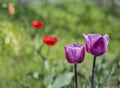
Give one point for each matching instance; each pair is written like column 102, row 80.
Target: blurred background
column 26, row 62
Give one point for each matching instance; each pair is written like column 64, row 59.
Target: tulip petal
column 69, row 56
column 98, row 47
column 106, row 37
column 79, row 54
column 106, row 40
column 93, row 37
column 87, row 44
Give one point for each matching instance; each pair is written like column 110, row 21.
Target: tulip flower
column 49, row 40
column 75, row 54
column 11, row 10
column 96, row 45
column 37, row 24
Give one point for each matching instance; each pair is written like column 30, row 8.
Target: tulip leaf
column 80, row 75
column 63, row 80
column 54, row 69
column 108, row 76
column 86, row 84
column 42, row 57
column 38, row 51
column 36, row 75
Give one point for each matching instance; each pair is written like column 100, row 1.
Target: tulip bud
column 74, row 53
column 11, row 10
column 49, row 40
column 37, row 24
column 96, row 44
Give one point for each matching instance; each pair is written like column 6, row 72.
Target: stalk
column 75, row 69
column 93, row 71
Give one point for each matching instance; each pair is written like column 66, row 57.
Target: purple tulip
column 96, row 44
column 74, row 53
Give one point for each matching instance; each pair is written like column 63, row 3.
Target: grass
column 14, row 69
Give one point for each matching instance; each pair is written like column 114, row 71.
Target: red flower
column 37, row 24
column 49, row 40
column 11, row 10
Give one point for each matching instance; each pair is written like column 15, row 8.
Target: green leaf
column 81, row 75
column 87, row 84
column 63, row 80
column 35, row 75
column 43, row 57
column 108, row 76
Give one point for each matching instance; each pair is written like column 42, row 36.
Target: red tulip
column 49, row 40
column 37, row 24
column 11, row 10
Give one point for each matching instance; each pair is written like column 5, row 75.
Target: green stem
column 93, row 70
column 75, row 69
column 48, row 51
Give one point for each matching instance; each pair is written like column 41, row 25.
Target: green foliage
column 63, row 80
column 26, row 62
column 9, row 37
column 77, row 18
column 103, row 73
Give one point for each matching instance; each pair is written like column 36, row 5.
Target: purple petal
column 87, row 42
column 69, row 54
column 106, row 37
column 79, row 54
column 99, row 47
column 93, row 37
column 106, row 40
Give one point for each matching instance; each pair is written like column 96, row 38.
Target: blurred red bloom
column 11, row 10
column 49, row 40
column 37, row 24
